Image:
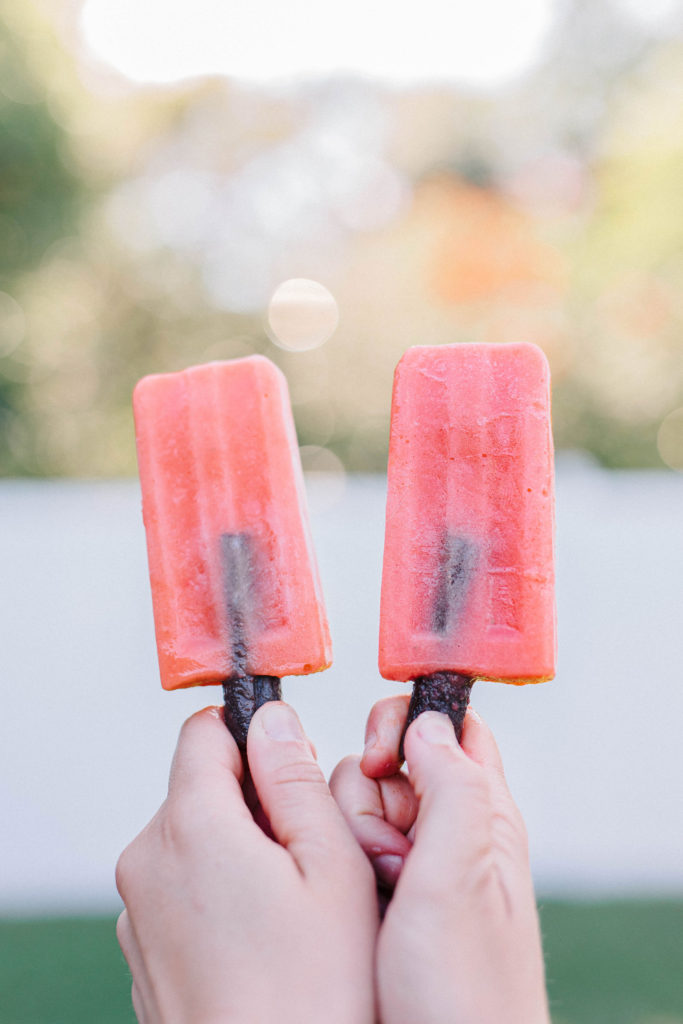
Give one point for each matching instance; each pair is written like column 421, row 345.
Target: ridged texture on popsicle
column 468, row 577
column 225, row 510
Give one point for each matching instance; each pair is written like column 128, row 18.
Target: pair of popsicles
column 467, row 588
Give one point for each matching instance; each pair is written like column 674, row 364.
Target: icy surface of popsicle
column 235, row 584
column 468, row 577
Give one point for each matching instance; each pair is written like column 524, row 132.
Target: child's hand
column 460, row 938
column 223, row 923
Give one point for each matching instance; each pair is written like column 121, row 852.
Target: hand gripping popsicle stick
column 468, row 576
column 235, row 587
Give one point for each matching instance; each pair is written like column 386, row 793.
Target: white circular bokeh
column 302, row 314
column 670, row 439
column 325, row 477
column 481, row 44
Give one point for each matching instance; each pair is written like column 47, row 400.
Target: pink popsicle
column 235, row 584
column 468, row 578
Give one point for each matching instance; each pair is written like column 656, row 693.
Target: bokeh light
column 302, row 314
column 144, row 229
column 166, row 40
column 12, row 324
column 325, row 477
column 670, row 439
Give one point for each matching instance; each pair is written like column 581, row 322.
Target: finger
column 452, row 820
column 378, row 812
column 130, row 948
column 386, row 722
column 138, row 1005
column 207, row 765
column 252, row 801
column 392, row 798
column 126, row 939
column 292, row 789
column 399, row 801
column 479, row 744
column 508, row 825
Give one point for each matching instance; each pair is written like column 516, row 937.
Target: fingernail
column 280, row 722
column 434, row 727
column 388, row 867
column 370, row 741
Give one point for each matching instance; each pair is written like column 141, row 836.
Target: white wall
column 594, row 758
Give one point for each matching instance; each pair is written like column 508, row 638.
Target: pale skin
column 224, row 923
column 232, row 919
column 460, row 941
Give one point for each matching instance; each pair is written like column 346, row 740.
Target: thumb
column 453, row 817
column 292, row 789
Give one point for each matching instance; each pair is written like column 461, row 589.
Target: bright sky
column 481, row 43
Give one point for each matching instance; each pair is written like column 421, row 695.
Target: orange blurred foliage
column 484, row 246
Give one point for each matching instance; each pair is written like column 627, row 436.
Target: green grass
column 614, row 963
column 607, row 963
column 63, row 971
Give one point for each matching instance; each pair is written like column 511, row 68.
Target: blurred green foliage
column 38, row 194
column 134, row 222
column 39, row 197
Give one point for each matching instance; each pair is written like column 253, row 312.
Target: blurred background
column 491, row 172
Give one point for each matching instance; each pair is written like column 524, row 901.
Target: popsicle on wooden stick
column 468, row 575
column 235, row 586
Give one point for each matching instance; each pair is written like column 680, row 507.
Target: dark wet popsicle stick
column 243, row 693
column 447, row 692
column 243, row 696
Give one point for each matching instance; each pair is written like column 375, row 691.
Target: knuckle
column 125, row 870
column 349, row 766
column 397, row 704
column 187, row 731
column 180, row 822
column 473, row 782
column 123, row 932
column 194, row 730
column 510, row 832
column 458, row 779
column 299, row 772
column 497, row 771
column 349, row 763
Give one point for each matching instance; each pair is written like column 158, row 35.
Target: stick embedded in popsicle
column 468, row 575
column 235, row 586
